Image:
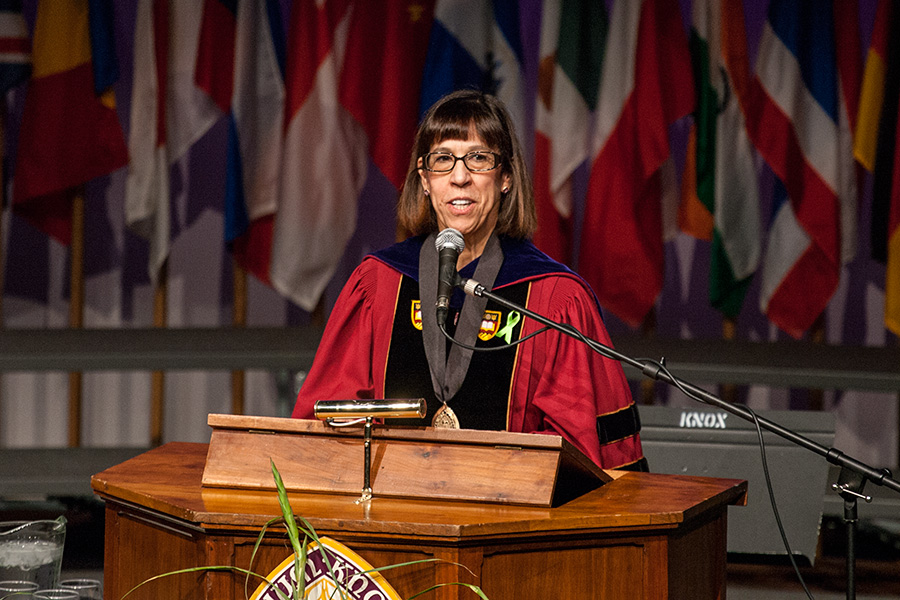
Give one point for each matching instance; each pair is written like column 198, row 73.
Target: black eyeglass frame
column 498, row 160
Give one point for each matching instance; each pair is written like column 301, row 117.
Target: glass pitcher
column 32, row 551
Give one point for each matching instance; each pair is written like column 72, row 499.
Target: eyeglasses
column 476, row 161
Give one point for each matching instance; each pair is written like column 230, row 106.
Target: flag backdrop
column 849, row 69
column 720, row 186
column 878, row 135
column 250, row 89
column 168, row 114
column 872, row 94
column 369, row 110
column 573, row 36
column 324, row 161
column 651, row 87
column 70, row 132
column 15, row 45
column 147, row 184
column 214, row 72
column 225, row 57
column 381, row 78
column 795, row 119
column 476, row 44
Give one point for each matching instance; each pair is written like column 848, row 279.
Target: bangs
column 455, row 121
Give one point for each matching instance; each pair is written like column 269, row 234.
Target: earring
column 427, row 192
column 504, row 190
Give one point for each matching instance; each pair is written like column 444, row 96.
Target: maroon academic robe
column 558, row 384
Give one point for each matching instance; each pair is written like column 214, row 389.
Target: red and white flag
column 325, row 156
column 168, row 114
column 571, row 59
column 647, row 84
column 798, row 120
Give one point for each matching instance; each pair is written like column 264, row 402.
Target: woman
column 382, row 340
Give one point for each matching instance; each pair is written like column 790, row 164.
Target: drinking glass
column 32, row 551
column 17, row 590
column 55, row 594
column 88, row 589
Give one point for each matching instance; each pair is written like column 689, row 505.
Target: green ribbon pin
column 512, row 319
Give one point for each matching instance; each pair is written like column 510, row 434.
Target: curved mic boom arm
column 656, row 370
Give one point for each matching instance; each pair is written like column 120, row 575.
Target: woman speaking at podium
column 382, row 339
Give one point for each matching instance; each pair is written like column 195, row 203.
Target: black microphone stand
column 853, row 474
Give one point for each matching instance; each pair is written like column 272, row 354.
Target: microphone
column 449, row 244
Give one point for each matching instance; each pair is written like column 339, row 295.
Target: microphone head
column 450, row 238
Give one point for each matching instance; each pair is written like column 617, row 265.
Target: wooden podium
column 632, row 535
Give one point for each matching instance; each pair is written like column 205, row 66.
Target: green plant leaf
column 474, row 588
column 416, row 562
column 259, row 539
column 311, row 532
column 247, row 572
column 290, row 523
column 299, row 547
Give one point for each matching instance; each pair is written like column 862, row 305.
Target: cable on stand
column 853, row 474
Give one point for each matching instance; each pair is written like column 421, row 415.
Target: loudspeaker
column 713, row 443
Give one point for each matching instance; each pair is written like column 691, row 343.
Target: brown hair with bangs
column 451, row 118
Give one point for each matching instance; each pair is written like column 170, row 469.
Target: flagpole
column 76, row 310
column 157, row 378
column 2, row 263
column 729, row 333
column 817, row 395
column 239, row 320
column 318, row 317
column 648, row 386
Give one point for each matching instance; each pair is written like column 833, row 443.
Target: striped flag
column 475, row 44
column 720, row 189
column 324, row 160
column 70, row 133
column 878, row 134
column 573, row 35
column 15, row 46
column 646, row 86
column 168, row 114
column 250, row 89
column 797, row 118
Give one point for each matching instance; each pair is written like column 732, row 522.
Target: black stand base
column 850, row 485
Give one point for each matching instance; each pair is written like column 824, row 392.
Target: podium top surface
column 443, row 435
column 167, row 481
